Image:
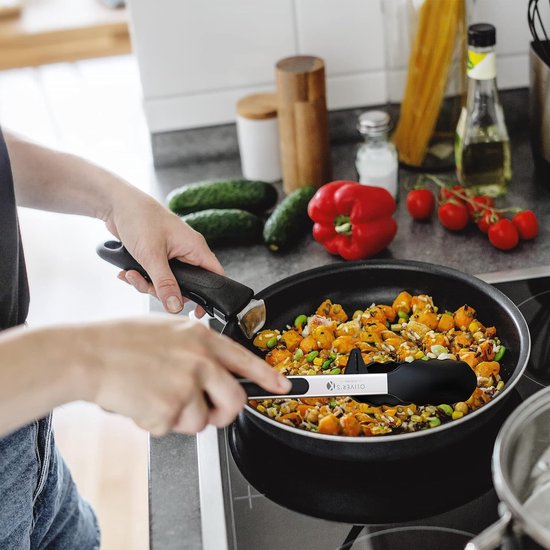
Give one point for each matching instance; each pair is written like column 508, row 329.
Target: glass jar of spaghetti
column 426, row 71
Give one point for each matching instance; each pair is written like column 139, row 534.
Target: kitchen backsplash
column 198, row 57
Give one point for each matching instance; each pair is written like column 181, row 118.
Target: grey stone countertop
column 174, row 503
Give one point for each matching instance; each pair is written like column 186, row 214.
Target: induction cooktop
column 257, row 494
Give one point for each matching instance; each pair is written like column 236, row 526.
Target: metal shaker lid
column 374, row 123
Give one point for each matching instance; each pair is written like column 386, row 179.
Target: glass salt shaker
column 377, row 161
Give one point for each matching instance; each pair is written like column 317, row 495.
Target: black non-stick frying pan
column 357, row 285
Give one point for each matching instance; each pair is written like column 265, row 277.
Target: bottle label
column 481, row 66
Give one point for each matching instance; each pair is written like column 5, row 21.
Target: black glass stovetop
column 278, row 498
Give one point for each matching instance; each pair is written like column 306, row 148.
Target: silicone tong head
column 356, row 365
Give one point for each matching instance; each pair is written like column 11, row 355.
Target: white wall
column 198, row 57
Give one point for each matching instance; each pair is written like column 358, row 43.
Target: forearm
column 61, row 182
column 37, row 374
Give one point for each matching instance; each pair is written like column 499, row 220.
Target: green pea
column 335, row 371
column 403, row 315
column 447, row 409
column 272, row 342
column 311, row 356
column 300, row 321
column 434, row 422
column 298, row 354
column 332, row 404
column 500, row 353
column 326, row 364
column 333, row 356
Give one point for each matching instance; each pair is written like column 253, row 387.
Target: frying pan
column 356, row 285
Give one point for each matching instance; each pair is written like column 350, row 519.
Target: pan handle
column 494, row 535
column 218, row 295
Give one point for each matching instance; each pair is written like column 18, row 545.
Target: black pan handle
column 218, row 295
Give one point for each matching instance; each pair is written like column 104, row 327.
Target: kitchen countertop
column 174, row 502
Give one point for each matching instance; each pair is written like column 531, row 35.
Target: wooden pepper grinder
column 303, row 122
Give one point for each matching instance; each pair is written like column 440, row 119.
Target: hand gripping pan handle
column 218, row 295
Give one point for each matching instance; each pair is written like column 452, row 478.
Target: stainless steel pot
column 539, row 100
column 521, row 475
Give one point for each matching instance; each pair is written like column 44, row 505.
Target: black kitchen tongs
column 434, row 382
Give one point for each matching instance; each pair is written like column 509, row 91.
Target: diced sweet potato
column 428, row 318
column 445, row 323
column 463, row 316
column 324, row 337
column 343, row 344
column 350, row 426
column 402, row 302
column 329, row 425
column 487, row 368
column 468, row 357
column 291, row 339
column 309, row 343
column 263, row 337
column 277, row 355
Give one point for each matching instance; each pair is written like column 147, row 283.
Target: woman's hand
column 166, row 373
column 153, row 235
column 159, row 371
column 52, row 180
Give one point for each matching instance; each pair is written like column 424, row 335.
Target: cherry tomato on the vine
column 459, row 193
column 453, row 216
column 527, row 224
column 488, row 218
column 420, row 203
column 503, row 234
column 481, row 201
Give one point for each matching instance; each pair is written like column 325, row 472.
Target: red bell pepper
column 353, row 220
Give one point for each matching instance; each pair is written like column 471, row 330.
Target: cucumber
column 253, row 196
column 229, row 226
column 289, row 220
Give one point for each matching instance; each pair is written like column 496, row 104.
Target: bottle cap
column 374, row 123
column 482, row 35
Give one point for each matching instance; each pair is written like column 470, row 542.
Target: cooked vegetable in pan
column 412, row 327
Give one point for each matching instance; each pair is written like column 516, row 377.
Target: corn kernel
column 461, row 407
column 318, row 361
column 474, row 326
column 419, row 354
column 456, row 415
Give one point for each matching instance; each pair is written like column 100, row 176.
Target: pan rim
column 409, row 265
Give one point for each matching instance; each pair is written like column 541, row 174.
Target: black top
column 14, row 288
column 482, row 35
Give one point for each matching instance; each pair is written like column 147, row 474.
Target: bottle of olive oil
column 482, row 147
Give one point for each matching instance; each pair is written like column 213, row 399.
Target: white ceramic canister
column 258, row 136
